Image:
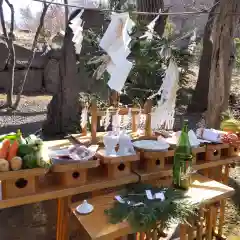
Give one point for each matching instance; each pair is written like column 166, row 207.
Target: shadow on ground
column 23, row 114
column 27, row 128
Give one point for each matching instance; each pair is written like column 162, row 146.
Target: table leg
column 200, row 225
column 63, row 218
column 209, row 230
column 221, row 218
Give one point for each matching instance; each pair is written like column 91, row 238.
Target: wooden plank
column 23, row 173
column 167, row 171
column 54, row 192
column 74, row 166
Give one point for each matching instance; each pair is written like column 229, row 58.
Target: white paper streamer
column 116, row 38
column 116, row 43
column 163, row 114
column 84, row 117
column 150, row 27
column 116, row 122
column 76, row 25
column 118, row 74
column 107, row 119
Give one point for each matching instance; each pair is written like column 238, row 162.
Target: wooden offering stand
column 152, row 161
column 117, row 166
column 21, row 183
column 73, row 174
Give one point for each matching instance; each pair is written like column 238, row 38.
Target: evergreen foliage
column 152, row 213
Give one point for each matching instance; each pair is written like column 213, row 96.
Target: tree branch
column 66, row 13
column 34, row 45
column 3, row 20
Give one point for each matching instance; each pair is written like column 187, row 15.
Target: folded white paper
column 76, row 25
column 116, row 38
column 119, row 74
column 149, row 194
column 119, row 199
column 160, row 195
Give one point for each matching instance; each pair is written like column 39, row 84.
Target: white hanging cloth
column 163, row 114
column 76, row 25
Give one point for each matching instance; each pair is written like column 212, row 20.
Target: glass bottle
column 182, row 165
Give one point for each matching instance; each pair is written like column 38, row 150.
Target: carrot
column 5, row 149
column 13, row 150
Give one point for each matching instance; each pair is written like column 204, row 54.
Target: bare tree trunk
column 34, row 45
column 222, row 36
column 199, row 100
column 12, row 58
column 152, row 6
column 66, row 13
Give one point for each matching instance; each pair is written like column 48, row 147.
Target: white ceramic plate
column 58, row 152
column 151, row 145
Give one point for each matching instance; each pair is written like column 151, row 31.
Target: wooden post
column 209, row 230
column 114, row 98
column 200, row 225
column 94, row 122
column 147, row 111
column 183, row 232
column 134, row 125
column 63, row 218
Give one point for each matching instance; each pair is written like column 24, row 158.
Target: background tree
column 199, row 100
column 8, row 37
column 223, row 32
column 28, row 20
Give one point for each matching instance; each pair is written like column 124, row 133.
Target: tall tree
column 199, row 100
column 223, row 31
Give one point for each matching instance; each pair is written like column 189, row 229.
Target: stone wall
column 44, row 72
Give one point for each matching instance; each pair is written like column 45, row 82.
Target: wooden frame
column 95, row 113
column 73, row 174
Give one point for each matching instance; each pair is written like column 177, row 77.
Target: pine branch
column 175, row 208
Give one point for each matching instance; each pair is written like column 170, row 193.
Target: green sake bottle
column 182, row 165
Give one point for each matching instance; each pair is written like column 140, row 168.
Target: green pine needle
column 175, row 208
